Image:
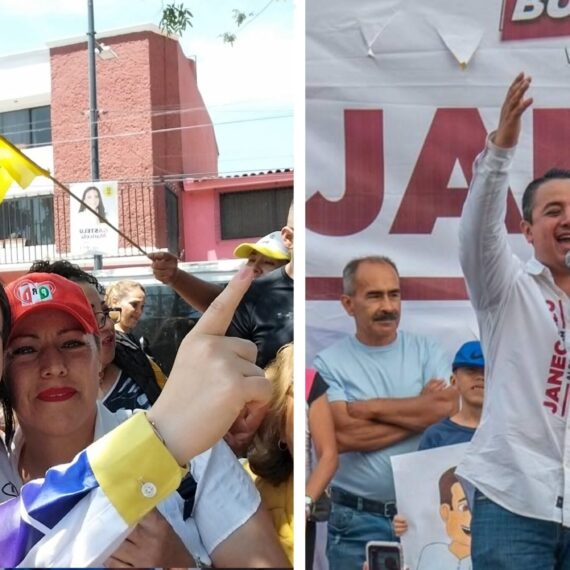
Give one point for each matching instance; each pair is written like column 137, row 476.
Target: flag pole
column 93, row 111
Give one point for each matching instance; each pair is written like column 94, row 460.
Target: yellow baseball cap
column 271, row 246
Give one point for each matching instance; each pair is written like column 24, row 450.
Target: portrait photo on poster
column 89, row 234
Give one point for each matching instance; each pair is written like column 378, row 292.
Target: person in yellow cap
column 265, row 255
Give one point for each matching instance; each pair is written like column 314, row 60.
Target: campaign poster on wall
column 435, row 506
column 89, row 234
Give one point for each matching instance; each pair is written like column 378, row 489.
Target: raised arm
column 353, row 434
column 193, row 290
column 485, row 255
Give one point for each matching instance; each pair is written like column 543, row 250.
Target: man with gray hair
column 385, row 387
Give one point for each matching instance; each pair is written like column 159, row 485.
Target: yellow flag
column 16, row 167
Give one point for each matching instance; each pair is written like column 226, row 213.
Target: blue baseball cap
column 470, row 355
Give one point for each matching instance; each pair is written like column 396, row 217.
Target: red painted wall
column 200, row 203
column 199, row 147
column 139, row 97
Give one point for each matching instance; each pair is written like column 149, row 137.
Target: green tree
column 175, row 19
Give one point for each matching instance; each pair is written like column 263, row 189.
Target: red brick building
column 155, row 137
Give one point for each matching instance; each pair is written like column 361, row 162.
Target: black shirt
column 318, row 388
column 265, row 315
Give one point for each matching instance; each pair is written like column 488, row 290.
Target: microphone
column 567, row 260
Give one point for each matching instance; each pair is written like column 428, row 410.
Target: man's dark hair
column 68, row 270
column 446, row 482
column 530, row 191
column 350, row 269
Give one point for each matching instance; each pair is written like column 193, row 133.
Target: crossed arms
column 371, row 425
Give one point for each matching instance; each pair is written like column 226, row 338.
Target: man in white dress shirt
column 519, row 459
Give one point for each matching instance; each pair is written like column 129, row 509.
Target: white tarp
column 400, row 97
column 89, row 235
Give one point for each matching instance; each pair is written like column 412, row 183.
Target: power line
column 136, row 112
column 151, row 131
column 257, row 15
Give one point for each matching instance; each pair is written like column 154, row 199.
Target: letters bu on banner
column 435, row 506
column 400, row 100
column 90, row 236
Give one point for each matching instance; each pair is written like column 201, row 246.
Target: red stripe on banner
column 413, row 288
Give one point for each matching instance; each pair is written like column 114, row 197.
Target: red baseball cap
column 35, row 292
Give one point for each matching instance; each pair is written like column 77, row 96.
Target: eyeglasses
column 101, row 316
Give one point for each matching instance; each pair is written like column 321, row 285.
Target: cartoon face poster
column 434, row 503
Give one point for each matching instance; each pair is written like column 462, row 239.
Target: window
column 28, row 218
column 15, row 127
column 27, row 127
column 254, row 213
column 40, row 119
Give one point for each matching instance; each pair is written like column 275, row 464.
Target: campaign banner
column 435, row 506
column 89, row 235
column 400, row 99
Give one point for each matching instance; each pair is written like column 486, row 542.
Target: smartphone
column 384, row 555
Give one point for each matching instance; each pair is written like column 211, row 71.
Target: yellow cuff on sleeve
column 134, row 468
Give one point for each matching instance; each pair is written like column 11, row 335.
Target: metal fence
column 38, row 227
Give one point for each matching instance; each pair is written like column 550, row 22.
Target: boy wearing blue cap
column 469, row 378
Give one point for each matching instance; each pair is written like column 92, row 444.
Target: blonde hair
column 116, row 292
column 280, row 373
column 267, row 457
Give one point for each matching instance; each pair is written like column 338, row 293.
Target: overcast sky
column 248, row 88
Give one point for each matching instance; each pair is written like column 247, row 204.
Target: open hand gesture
column 515, row 104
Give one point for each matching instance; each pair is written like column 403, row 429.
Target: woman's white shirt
column 225, row 496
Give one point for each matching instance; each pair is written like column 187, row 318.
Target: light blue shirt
column 355, row 371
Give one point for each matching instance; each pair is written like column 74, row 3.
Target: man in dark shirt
column 265, row 315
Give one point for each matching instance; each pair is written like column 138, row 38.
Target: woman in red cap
column 52, row 372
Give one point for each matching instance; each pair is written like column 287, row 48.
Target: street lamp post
column 93, row 112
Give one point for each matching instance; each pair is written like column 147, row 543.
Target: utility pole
column 93, row 112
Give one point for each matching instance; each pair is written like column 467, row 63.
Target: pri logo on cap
column 29, row 293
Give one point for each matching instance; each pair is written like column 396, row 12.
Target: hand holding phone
column 384, row 555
